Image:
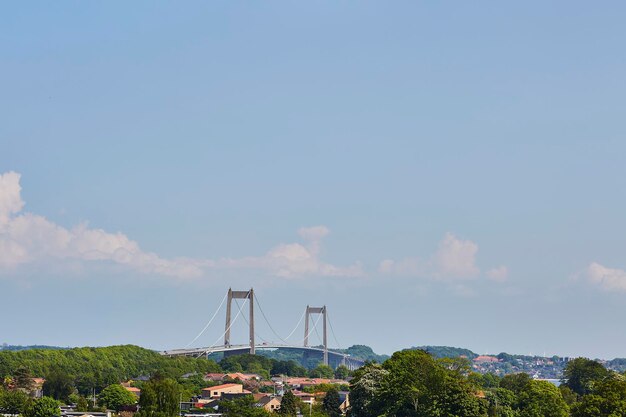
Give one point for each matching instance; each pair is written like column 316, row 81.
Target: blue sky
column 435, row 173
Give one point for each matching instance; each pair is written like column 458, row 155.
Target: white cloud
column 10, row 199
column 295, row 260
column 606, row 278
column 404, row 267
column 28, row 238
column 454, row 260
column 499, row 274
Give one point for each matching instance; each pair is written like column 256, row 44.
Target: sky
column 435, row 173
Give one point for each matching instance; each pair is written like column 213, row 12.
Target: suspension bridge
column 328, row 356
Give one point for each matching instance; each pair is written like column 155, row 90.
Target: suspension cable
column 268, row 322
column 228, row 328
column 332, row 331
column 255, row 333
column 209, row 323
column 317, row 333
column 310, row 330
column 297, row 325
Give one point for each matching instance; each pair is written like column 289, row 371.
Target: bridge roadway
column 338, row 358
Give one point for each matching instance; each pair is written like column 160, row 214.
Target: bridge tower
column 316, row 310
column 239, row 295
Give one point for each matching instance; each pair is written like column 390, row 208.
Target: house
column 214, row 377
column 204, row 404
column 242, row 377
column 269, row 403
column 130, row 388
column 231, row 377
column 134, row 390
column 305, row 397
column 486, row 359
column 218, row 390
column 37, row 390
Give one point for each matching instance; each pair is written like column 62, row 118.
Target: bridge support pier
column 249, row 295
column 316, row 310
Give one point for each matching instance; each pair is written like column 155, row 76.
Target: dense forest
column 88, row 369
column 98, row 367
column 446, row 351
column 6, row 346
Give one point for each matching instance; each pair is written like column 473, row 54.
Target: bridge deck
column 198, row 352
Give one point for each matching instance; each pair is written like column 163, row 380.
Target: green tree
column 484, row 381
column 569, row 396
column 58, row 385
column 290, row 368
column 247, row 363
column 322, row 371
column 515, row 382
column 14, row 402
column 417, row 384
column 82, row 404
column 72, row 398
column 461, row 366
column 608, row 399
column 365, row 387
column 342, row 372
column 365, row 353
column 581, row 373
column 192, row 386
column 316, row 410
column 23, row 379
column 331, row 403
column 86, row 382
column 44, row 407
column 501, row 402
column 591, row 405
column 115, row 396
column 160, row 398
column 542, row 399
column 288, row 406
column 242, row 407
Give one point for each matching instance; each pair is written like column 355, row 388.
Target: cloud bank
column 26, row 238
column 606, row 278
column 454, row 260
column 294, row 260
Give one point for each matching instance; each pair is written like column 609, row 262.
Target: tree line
column 413, row 383
column 410, row 383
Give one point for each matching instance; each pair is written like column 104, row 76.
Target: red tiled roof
column 486, row 358
column 223, row 386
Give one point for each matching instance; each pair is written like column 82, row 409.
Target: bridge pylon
column 239, row 295
column 316, row 310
